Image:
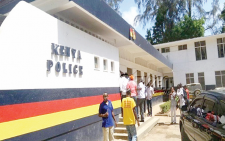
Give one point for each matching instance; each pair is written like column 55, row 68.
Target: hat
column 131, row 77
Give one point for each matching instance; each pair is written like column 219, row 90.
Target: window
column 105, row 64
column 201, row 79
column 200, row 50
column 220, row 78
column 189, row 78
column 112, row 66
column 208, row 106
column 96, row 61
column 195, row 105
column 164, row 50
column 182, row 47
column 221, row 47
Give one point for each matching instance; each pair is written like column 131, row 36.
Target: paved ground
column 164, row 131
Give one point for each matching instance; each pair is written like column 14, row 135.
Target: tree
column 159, row 27
column 149, row 36
column 222, row 16
column 114, row 4
column 175, row 11
column 187, row 28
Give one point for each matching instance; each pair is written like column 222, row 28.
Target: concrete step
column 120, row 119
column 120, row 130
column 122, row 136
column 120, row 124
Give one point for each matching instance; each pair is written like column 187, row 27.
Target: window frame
column 189, row 78
column 203, row 86
column 165, row 50
column 199, row 47
column 105, row 65
column 98, row 63
column 223, row 47
column 221, row 78
column 182, row 47
column 112, row 67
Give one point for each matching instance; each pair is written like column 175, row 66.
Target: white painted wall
column 185, row 61
column 25, row 43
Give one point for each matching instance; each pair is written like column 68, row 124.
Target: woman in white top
column 173, row 105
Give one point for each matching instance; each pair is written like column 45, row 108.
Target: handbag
column 176, row 98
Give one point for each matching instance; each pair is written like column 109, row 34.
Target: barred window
column 200, row 50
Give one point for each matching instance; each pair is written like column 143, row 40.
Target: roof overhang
column 97, row 17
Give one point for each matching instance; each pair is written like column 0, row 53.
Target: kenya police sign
column 60, row 50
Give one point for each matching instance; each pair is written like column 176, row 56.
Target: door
column 206, row 118
column 189, row 119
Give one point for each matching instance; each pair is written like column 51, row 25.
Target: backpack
column 185, row 94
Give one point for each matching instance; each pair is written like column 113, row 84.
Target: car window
column 195, row 105
column 221, row 112
column 208, row 106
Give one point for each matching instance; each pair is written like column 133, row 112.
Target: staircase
column 120, row 132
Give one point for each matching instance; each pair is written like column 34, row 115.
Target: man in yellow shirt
column 130, row 116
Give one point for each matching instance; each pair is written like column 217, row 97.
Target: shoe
column 142, row 121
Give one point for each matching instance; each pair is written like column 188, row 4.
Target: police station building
column 197, row 60
column 57, row 58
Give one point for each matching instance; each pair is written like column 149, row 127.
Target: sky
column 129, row 10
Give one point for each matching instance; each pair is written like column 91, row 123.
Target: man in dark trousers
column 106, row 112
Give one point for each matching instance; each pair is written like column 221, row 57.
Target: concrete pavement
column 164, row 130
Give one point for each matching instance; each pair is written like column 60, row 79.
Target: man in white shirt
column 141, row 98
column 150, row 92
column 123, row 88
column 180, row 95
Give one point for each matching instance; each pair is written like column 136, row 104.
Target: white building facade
column 57, row 59
column 198, row 60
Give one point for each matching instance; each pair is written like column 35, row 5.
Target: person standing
column 130, row 116
column 173, row 105
column 141, row 98
column 133, row 88
column 180, row 95
column 108, row 118
column 150, row 92
column 187, row 92
column 123, row 88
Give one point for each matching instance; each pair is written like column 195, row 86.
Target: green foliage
column 165, row 106
column 185, row 29
column 222, row 16
column 188, row 28
column 149, row 36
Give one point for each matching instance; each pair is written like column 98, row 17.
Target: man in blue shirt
column 106, row 112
